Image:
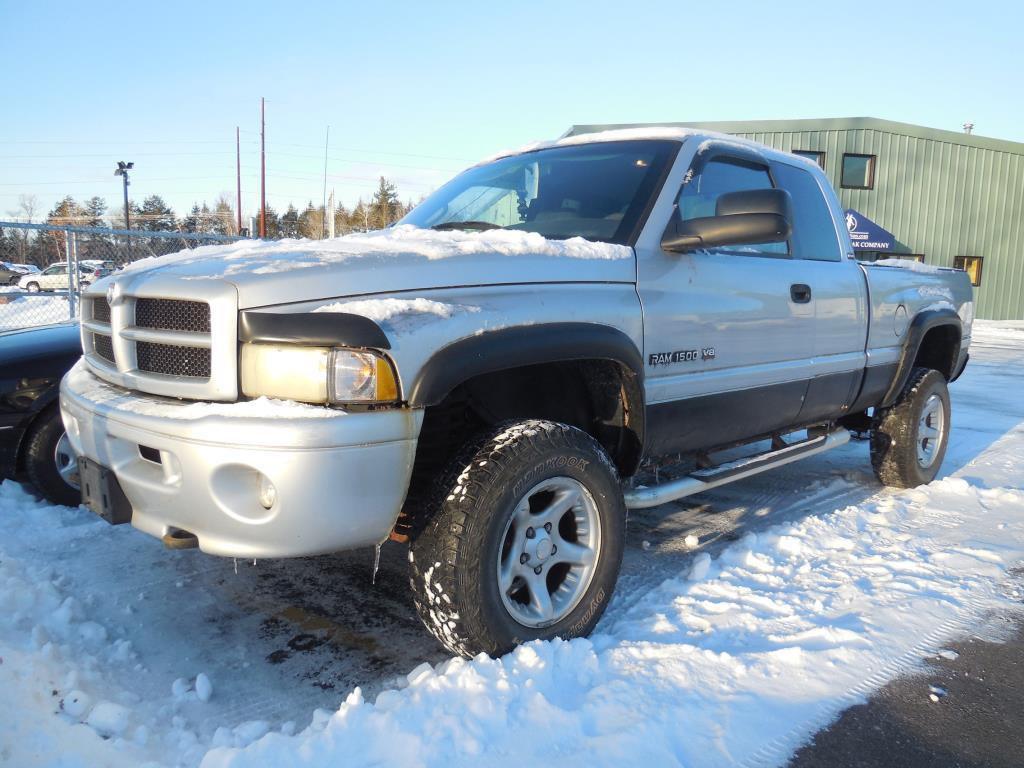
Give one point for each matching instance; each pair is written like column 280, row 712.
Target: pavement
column 962, row 712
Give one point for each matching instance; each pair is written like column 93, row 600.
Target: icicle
column 254, row 562
column 236, row 565
column 376, row 564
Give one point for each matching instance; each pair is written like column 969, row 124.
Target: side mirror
column 741, row 218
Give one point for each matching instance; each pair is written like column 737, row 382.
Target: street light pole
column 122, row 171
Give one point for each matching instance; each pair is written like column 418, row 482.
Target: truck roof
column 649, row 132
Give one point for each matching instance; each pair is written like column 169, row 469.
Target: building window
column 813, row 155
column 858, row 171
column 971, row 265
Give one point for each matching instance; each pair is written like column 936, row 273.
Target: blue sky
column 416, row 91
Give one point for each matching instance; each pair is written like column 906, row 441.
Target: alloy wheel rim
column 66, row 461
column 549, row 552
column 931, row 430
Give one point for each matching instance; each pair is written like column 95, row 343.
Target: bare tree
column 28, row 205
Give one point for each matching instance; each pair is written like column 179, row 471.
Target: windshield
column 598, row 191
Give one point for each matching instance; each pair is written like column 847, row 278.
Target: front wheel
column 524, row 542
column 908, row 440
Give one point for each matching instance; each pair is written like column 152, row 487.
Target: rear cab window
column 814, row 232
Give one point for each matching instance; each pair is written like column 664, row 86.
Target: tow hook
column 176, row 538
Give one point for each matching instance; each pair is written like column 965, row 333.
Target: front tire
column 50, row 464
column 908, row 440
column 524, row 541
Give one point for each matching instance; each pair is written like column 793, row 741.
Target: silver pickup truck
column 485, row 379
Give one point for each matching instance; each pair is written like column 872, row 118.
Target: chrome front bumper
column 340, row 478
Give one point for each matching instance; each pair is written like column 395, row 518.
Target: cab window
column 720, row 175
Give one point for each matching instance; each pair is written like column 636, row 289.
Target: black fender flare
column 923, row 322
column 518, row 346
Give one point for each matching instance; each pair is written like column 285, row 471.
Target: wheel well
column 600, row 397
column 939, row 350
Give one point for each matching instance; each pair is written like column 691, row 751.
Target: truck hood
column 403, row 258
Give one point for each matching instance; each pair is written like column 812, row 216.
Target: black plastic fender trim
column 922, row 323
column 519, row 346
column 311, row 329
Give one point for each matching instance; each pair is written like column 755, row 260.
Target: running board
column 706, row 479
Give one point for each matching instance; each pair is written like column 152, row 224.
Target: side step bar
column 706, row 479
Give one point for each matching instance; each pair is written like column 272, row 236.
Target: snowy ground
column 745, row 619
column 20, row 309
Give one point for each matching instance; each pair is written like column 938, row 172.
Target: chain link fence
column 43, row 268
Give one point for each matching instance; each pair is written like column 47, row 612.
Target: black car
column 9, row 274
column 33, row 446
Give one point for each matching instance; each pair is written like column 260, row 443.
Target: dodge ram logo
column 113, row 294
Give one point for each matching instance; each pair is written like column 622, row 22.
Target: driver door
column 728, row 332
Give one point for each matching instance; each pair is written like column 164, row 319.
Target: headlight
column 317, row 374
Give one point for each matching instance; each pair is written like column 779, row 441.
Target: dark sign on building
column 867, row 235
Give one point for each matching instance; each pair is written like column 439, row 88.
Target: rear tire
column 50, row 463
column 32, row 287
column 480, row 580
column 909, row 439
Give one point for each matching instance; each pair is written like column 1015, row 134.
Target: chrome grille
column 103, row 346
column 100, row 310
column 172, row 315
column 173, row 360
column 165, row 342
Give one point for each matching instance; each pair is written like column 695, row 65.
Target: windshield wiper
column 472, row 226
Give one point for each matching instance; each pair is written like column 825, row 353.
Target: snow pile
column 772, row 637
column 272, row 256
column 720, row 655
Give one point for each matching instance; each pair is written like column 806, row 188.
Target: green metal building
column 947, row 198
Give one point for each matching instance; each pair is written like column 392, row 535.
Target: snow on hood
column 270, row 256
column 395, row 259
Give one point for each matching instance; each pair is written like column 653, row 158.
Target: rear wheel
column 908, row 441
column 50, row 463
column 33, row 287
column 524, row 543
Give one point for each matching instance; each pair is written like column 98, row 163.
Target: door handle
column 800, row 293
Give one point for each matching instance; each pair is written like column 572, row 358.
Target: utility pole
column 238, row 177
column 323, row 221
column 122, row 171
column 329, row 214
column 263, row 168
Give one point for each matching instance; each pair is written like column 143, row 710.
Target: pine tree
column 224, row 222
column 342, row 220
column 156, row 215
column 191, row 222
column 273, row 224
column 386, row 208
column 359, row 221
column 311, row 222
column 289, row 223
column 69, row 212
column 96, row 210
